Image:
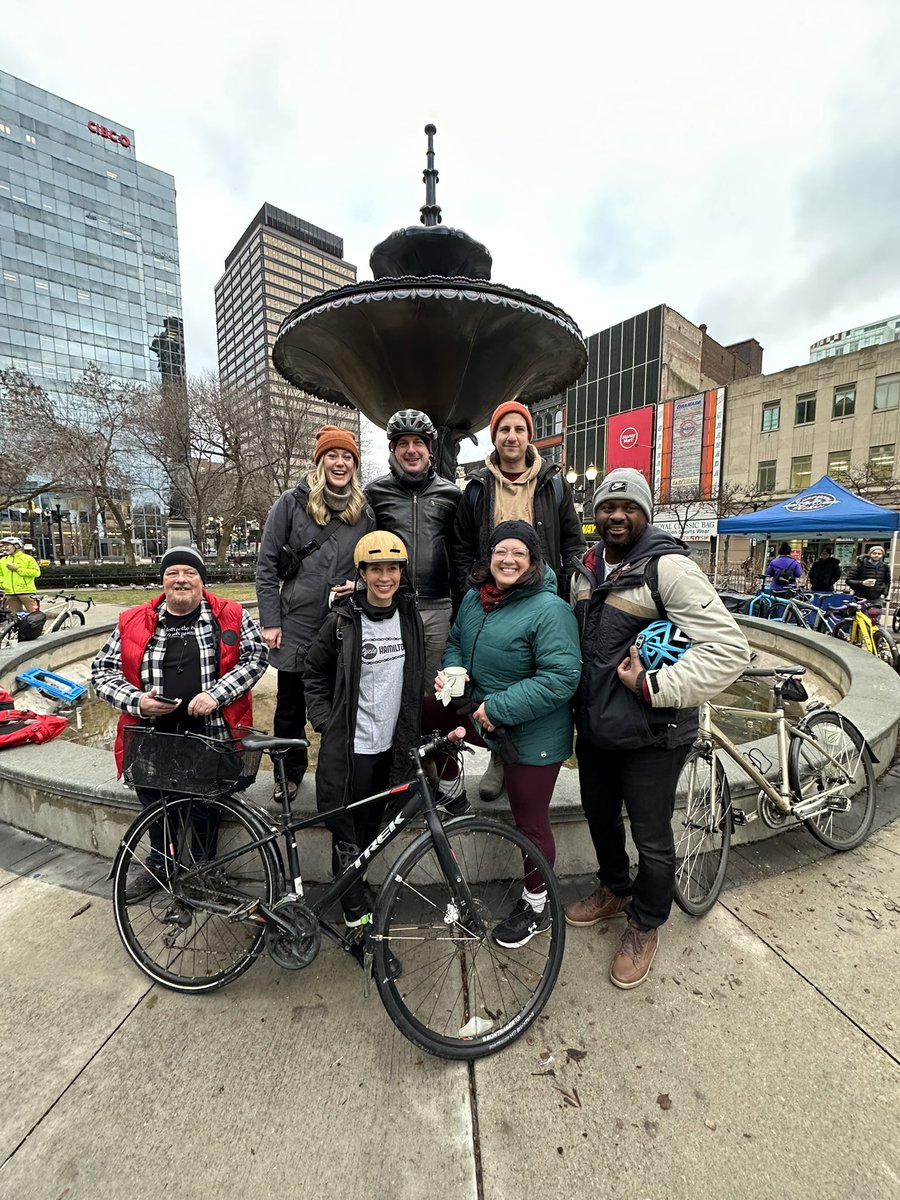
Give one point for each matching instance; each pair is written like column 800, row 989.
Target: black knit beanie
column 517, row 529
column 183, row 556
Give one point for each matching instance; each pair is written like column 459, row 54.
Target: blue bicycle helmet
column 661, row 644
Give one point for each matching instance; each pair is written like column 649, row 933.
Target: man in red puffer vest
column 201, row 652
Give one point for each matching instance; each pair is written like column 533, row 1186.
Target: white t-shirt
column 380, row 685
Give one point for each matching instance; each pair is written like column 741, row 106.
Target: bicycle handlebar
column 453, row 742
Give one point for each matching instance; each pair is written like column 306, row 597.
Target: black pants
column 204, row 827
column 644, row 781
column 290, row 721
column 353, row 831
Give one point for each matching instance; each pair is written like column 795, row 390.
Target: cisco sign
column 102, row 131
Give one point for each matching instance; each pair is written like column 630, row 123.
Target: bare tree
column 22, row 448
column 86, row 431
column 870, row 481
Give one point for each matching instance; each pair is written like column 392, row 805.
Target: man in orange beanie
column 515, row 484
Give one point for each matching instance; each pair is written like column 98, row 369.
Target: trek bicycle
column 225, row 891
column 72, row 614
column 824, row 780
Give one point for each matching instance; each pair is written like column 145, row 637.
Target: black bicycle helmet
column 410, row 420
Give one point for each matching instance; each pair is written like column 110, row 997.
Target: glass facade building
column 848, row 341
column 279, row 262
column 89, row 269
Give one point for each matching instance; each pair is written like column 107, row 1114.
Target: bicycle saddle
column 263, row 741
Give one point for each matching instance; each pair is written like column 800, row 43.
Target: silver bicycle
column 825, row 780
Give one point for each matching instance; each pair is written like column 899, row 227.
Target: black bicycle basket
column 188, row 762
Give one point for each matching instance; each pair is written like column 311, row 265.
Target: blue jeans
column 644, row 782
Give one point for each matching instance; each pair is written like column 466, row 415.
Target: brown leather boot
column 600, row 905
column 636, row 952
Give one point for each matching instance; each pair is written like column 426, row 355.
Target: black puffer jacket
column 331, row 681
column 866, row 568
column 299, row 605
column 555, row 520
column 421, row 510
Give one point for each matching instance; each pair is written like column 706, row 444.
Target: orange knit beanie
column 333, row 437
column 511, row 406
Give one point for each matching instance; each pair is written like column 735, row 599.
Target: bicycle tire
column 886, row 647
column 843, row 630
column 810, row 774
column 895, row 620
column 186, row 935
column 453, row 981
column 761, row 607
column 792, row 616
column 702, row 831
column 66, row 620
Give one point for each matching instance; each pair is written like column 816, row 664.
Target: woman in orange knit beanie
column 292, row 606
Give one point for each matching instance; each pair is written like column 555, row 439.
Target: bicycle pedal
column 743, row 818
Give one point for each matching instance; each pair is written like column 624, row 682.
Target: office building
column 89, row 269
column 848, row 341
column 653, row 357
column 278, row 262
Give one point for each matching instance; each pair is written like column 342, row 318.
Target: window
column 4, row 128
column 765, row 476
column 844, row 401
column 881, row 461
column 771, row 416
column 887, row 392
column 839, row 464
column 801, row 472
column 806, row 409
column 31, row 139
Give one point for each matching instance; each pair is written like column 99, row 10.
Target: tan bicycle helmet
column 379, row 547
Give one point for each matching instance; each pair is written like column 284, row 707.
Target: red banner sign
column 101, row 131
column 629, row 440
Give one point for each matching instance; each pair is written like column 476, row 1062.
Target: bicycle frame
column 420, row 802
column 782, row 798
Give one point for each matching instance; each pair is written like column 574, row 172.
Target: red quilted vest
column 138, row 625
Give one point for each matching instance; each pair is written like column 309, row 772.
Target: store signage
column 101, row 131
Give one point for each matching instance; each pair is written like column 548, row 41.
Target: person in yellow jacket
column 18, row 572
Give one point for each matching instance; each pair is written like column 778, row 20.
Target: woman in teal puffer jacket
column 518, row 643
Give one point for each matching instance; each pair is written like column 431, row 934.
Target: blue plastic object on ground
column 52, row 685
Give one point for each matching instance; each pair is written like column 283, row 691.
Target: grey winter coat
column 300, row 605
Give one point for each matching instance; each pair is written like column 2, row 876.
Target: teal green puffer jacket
column 524, row 662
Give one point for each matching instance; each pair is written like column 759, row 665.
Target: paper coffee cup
column 455, row 680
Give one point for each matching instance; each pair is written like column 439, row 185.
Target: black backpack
column 31, row 626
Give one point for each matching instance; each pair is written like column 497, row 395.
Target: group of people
column 869, row 577
column 367, row 595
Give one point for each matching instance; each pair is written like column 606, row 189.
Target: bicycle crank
column 293, row 936
column 771, row 816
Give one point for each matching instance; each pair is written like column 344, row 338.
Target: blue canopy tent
column 823, row 510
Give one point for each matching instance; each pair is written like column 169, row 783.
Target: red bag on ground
column 19, row 726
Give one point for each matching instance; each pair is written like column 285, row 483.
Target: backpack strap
column 651, row 578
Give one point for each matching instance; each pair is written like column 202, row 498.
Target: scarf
column 490, row 595
column 336, row 501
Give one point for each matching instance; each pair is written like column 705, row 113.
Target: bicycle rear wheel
column 886, row 647
column 701, row 824
column 836, row 768
column 68, row 620
column 460, row 994
column 195, row 931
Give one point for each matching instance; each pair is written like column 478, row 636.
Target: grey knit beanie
column 624, row 483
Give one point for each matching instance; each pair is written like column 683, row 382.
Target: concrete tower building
column 278, row 262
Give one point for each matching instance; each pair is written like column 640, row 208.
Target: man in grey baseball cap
column 635, row 726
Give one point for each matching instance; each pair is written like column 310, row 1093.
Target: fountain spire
column 430, row 210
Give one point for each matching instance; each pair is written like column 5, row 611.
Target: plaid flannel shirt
column 111, row 685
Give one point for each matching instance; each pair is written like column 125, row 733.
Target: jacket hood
column 653, row 543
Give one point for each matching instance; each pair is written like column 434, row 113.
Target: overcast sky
column 740, row 163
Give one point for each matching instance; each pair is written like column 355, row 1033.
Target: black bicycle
column 223, row 889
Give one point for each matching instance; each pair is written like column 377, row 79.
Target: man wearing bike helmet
column 18, row 572
column 363, row 680
column 635, row 726
column 415, row 503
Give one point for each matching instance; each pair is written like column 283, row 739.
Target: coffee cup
column 454, row 680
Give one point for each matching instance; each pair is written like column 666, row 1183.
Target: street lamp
column 62, row 547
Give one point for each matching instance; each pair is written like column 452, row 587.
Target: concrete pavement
column 762, row 1058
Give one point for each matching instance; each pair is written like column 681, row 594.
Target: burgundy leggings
column 529, row 788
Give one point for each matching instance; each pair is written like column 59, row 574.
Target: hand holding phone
column 165, row 699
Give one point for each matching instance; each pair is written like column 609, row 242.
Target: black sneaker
column 460, row 807
column 521, row 925
column 145, row 879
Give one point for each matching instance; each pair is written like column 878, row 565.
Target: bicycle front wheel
column 67, row 620
column 187, row 880
column 460, row 994
column 701, row 824
column 835, row 769
column 886, row 647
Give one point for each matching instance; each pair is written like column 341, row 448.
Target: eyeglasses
column 499, row 552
